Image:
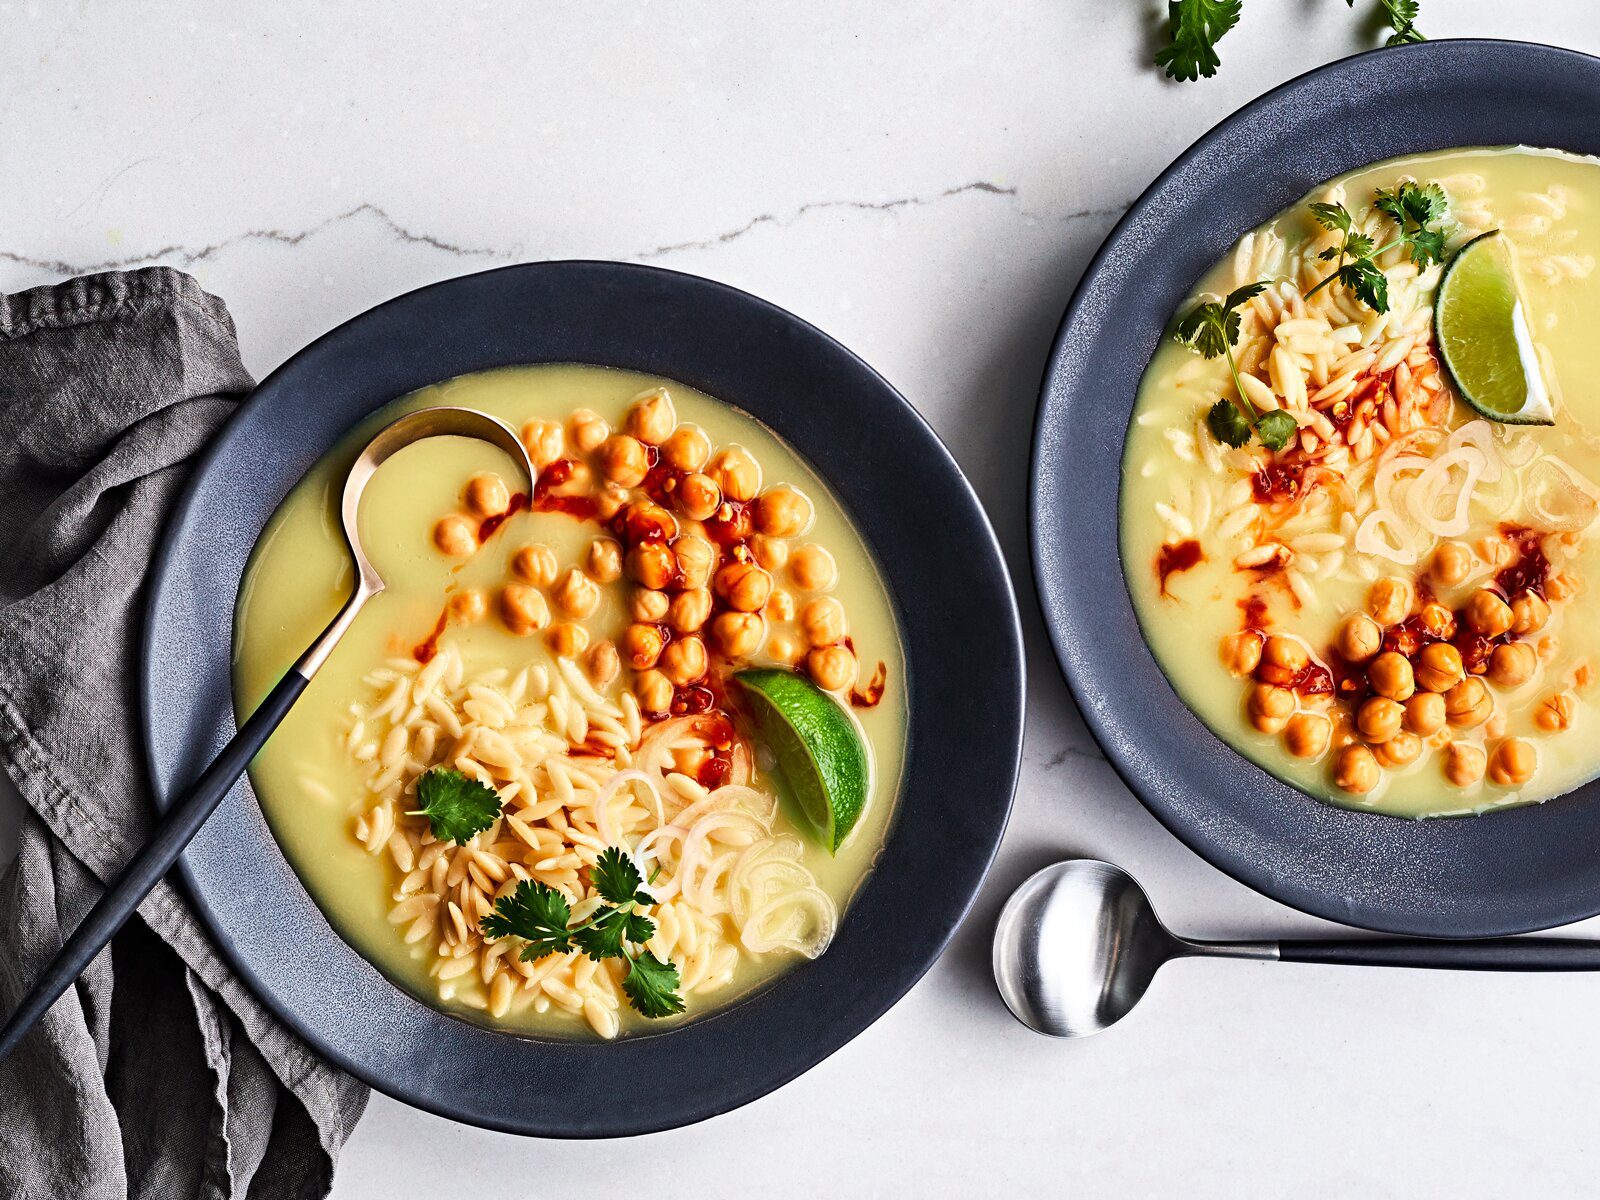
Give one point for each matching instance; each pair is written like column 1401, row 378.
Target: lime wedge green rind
column 817, row 748
column 1484, row 340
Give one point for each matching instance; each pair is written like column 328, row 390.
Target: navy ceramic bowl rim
column 955, row 795
column 1505, row 872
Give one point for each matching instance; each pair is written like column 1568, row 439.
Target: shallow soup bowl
column 896, row 482
column 1503, row 872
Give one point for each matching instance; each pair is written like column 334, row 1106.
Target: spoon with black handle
column 189, row 812
column 1079, row 942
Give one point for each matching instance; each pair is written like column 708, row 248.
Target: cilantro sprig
column 1194, row 27
column 1416, row 210
column 1211, row 328
column 457, row 808
column 542, row 918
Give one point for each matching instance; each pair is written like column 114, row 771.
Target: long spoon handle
column 172, row 834
column 1488, row 954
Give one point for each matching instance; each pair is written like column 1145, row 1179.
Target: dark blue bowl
column 939, row 558
column 1506, row 872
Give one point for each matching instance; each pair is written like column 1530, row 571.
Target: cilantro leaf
column 1193, row 29
column 603, row 939
column 457, row 808
column 538, row 914
column 1367, row 282
column 1202, row 329
column 617, row 879
column 1401, row 16
column 1335, row 217
column 652, row 987
column 1227, row 424
column 1275, row 428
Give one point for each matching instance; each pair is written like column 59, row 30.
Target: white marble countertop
column 925, row 181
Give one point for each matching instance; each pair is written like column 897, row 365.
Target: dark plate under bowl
column 1506, row 872
column 898, row 483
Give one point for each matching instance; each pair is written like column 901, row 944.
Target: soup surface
column 1389, row 607
column 565, row 657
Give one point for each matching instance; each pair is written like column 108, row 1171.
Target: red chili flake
column 868, row 697
column 424, row 650
column 545, row 498
column 1177, row 556
column 1529, row 570
column 1278, row 481
column 487, row 527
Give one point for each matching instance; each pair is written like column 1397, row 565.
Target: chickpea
column 1529, row 612
column 1355, row 770
column 1438, row 621
column 1306, row 735
column 1452, row 563
column 1360, row 638
column 1282, row 658
column 689, row 610
column 738, row 635
column 832, row 668
column 687, row 760
column 812, row 568
column 1390, row 600
column 771, row 552
column 577, row 595
column 535, row 564
column 651, row 417
column 781, row 606
column 1439, row 667
column 698, row 496
column 649, row 605
column 544, row 442
column 1468, row 703
column 648, row 521
column 468, row 607
column 696, row 558
column 652, row 564
column 1583, row 675
column 744, row 586
column 587, row 430
column 567, row 640
column 823, row 621
column 783, row 647
column 1269, row 707
column 1562, row 587
column 603, row 663
column 782, row 512
column 1425, row 714
column 1390, row 676
column 1401, row 750
column 1488, row 614
column 623, row 460
column 1496, row 725
column 605, row 561
column 455, row 535
column 1513, row 762
column 737, row 473
column 653, row 690
column 1555, row 713
column 684, row 660
column 688, row 449
column 1463, row 763
column 1512, row 664
column 523, row 608
column 1379, row 719
column 487, row 495
column 642, row 645
column 611, row 500
column 1241, row 652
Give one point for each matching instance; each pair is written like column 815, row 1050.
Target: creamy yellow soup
column 1235, row 557
column 316, row 776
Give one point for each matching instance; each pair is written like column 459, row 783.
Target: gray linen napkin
column 159, row 1075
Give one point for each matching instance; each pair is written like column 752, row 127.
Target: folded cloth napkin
column 159, row 1075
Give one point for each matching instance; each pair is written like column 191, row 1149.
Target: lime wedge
column 1482, row 328
column 817, row 747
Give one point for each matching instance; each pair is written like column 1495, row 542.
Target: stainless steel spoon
column 184, row 819
column 1079, row 942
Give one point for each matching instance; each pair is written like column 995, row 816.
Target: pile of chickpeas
column 713, row 563
column 1396, row 685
